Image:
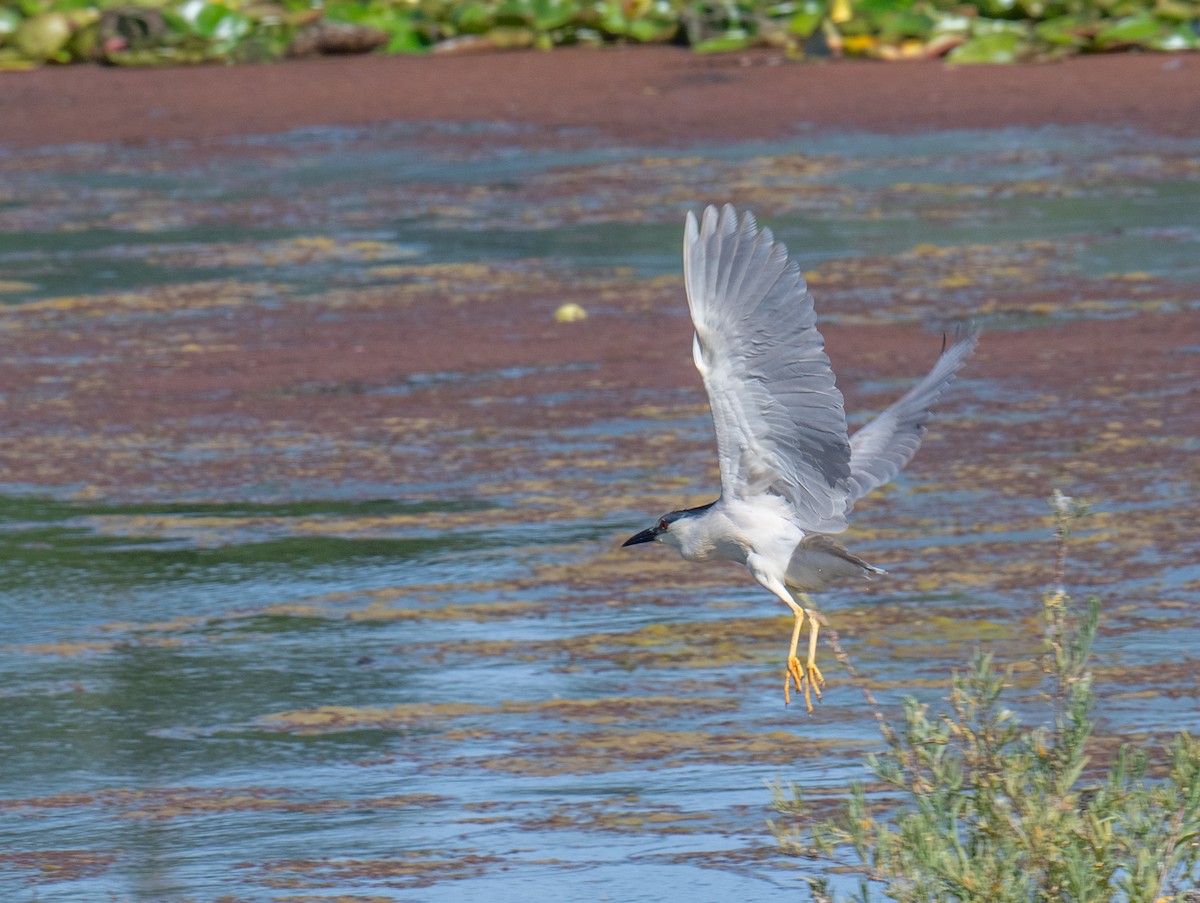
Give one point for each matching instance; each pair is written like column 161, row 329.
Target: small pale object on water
column 570, row 313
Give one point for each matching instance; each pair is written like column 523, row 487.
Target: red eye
column 662, row 525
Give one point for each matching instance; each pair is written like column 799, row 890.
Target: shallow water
column 360, row 631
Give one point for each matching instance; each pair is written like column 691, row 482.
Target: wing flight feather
column 880, row 449
column 778, row 416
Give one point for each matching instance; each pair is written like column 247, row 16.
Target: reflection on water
column 360, row 630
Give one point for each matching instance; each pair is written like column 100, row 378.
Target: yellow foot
column 808, row 681
column 815, row 677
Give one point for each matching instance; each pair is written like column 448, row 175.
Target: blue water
column 321, row 683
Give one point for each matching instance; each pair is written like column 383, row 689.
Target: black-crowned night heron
column 789, row 472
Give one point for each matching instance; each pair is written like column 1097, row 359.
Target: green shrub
column 992, row 812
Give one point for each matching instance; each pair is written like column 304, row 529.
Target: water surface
column 311, row 514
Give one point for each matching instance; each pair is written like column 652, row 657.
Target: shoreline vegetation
column 969, row 805
column 180, row 32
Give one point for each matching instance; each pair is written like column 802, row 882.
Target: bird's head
column 658, row 533
column 670, row 529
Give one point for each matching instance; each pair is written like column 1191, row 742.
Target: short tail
column 819, row 561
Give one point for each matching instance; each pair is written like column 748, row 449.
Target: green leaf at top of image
column 92, row 8
column 405, row 37
column 220, row 24
column 12, row 61
column 513, row 12
column 1177, row 10
column 398, row 22
column 1072, row 30
column 474, row 17
column 543, row 15
column 227, row 30
column 551, row 14
column 951, row 23
column 905, row 24
column 9, row 20
column 997, row 9
column 981, row 26
column 353, row 12
column 652, row 31
column 808, row 17
column 611, row 18
column 1037, row 10
column 1135, row 29
column 42, row 37
column 192, row 11
column 1182, row 37
column 996, row 47
column 873, row 9
column 734, row 40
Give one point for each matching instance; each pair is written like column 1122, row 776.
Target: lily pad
column 651, row 31
column 1182, row 37
column 906, row 24
column 1072, row 31
column 542, row 15
column 733, row 41
column 997, row 47
column 220, row 25
column 1135, row 29
column 9, row 20
column 1178, row 10
column 807, row 18
column 474, row 17
column 397, row 23
column 42, row 37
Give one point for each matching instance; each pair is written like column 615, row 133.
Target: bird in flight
column 790, row 474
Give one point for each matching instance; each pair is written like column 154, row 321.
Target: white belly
column 734, row 529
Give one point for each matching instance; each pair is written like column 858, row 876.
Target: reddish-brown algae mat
column 311, row 508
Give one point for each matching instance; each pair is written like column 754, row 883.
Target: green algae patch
column 334, row 719
column 190, row 802
column 477, row 613
column 602, row 751
column 622, row 815
column 59, row 865
column 408, row 868
column 67, row 648
column 621, row 709
column 604, row 711
column 698, row 644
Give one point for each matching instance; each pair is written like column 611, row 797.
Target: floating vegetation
column 118, row 33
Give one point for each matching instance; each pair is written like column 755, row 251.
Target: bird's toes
column 814, row 674
column 793, row 674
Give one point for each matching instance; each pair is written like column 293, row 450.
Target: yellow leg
column 793, row 672
column 807, row 680
column 812, row 672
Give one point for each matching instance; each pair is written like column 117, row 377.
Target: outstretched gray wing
column 778, row 415
column 880, row 449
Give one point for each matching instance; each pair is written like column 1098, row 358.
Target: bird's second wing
column 880, row 449
column 778, row 415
